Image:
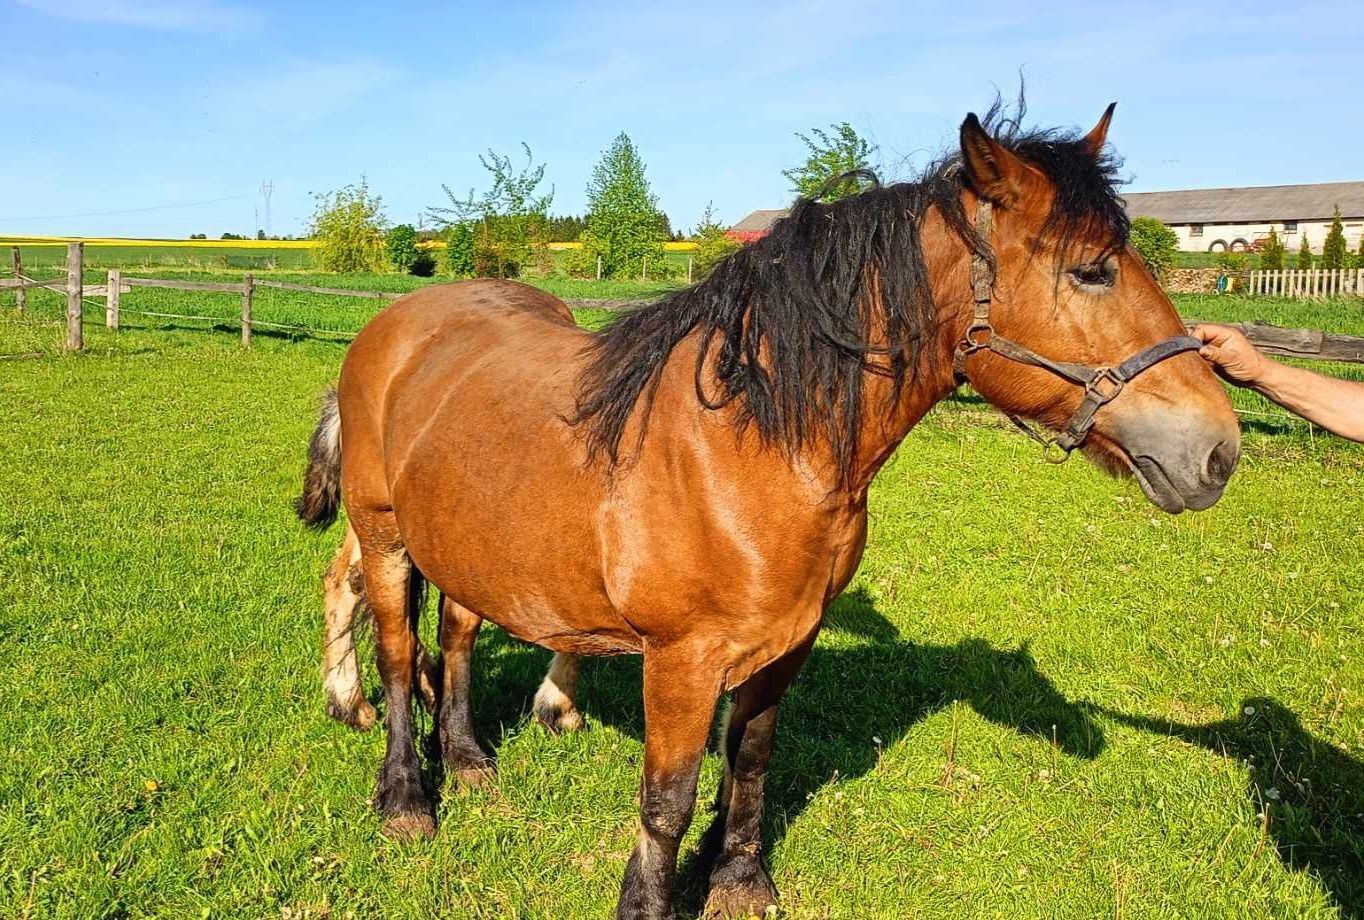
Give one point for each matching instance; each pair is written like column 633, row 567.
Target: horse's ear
column 1097, row 135
column 994, row 171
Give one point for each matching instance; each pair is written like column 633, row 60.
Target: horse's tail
column 321, row 497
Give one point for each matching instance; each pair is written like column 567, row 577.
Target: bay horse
column 690, row 484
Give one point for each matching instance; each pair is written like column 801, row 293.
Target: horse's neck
column 933, row 379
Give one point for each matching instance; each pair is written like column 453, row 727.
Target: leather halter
column 1102, row 384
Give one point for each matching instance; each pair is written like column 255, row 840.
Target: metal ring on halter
column 1102, row 385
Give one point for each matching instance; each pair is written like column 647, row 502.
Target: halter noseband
column 1102, row 384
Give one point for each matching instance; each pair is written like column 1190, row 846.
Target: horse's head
column 1067, row 296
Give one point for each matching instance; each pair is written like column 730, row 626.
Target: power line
column 159, row 207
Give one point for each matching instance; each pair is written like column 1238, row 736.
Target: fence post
column 644, row 270
column 598, row 268
column 248, row 289
column 20, row 295
column 75, row 263
column 689, row 269
column 111, row 305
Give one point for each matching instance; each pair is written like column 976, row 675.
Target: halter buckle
column 1105, row 385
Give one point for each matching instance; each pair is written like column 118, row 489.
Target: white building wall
column 1229, row 234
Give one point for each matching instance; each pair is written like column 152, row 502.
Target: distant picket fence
column 1307, row 283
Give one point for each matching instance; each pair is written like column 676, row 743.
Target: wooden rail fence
column 1308, row 283
column 1310, row 344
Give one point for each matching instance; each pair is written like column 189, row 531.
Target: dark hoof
column 476, row 777
column 471, row 769
column 406, row 811
column 740, row 888
column 409, row 827
column 358, row 715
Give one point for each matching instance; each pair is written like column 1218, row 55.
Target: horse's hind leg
column 463, row 757
column 393, row 589
column 555, row 701
column 344, row 595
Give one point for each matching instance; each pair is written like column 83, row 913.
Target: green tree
column 623, row 219
column 1272, row 252
column 1333, row 250
column 831, row 153
column 348, row 227
column 509, row 222
column 1304, row 254
column 712, row 243
column 1156, row 243
column 1359, row 256
column 400, row 246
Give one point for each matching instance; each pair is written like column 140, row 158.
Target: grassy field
column 1039, row 698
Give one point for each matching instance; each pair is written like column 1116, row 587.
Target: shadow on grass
column 1310, row 792
column 845, row 707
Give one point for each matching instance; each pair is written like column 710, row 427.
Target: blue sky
column 129, row 105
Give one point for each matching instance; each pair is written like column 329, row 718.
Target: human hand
column 1230, row 353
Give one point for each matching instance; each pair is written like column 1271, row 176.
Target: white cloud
column 167, row 15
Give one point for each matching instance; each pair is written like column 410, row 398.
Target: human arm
column 1336, row 405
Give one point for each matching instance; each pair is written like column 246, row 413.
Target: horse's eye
column 1095, row 274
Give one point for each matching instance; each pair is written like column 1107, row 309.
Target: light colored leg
column 555, row 701
column 344, row 596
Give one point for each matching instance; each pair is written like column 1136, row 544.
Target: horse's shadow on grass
column 1309, row 792
column 847, row 705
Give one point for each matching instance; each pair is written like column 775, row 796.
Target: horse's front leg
column 739, row 884
column 680, row 690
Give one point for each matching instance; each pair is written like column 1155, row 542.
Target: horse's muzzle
column 1182, row 463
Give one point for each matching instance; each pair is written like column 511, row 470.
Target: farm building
column 1214, row 219
column 1217, row 219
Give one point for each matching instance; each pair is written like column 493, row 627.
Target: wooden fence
column 1297, row 343
column 1308, row 283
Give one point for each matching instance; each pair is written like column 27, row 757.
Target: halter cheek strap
column 1102, row 384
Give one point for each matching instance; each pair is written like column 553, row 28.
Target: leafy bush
column 348, row 227
column 423, row 264
column 400, row 245
column 831, row 153
column 1157, row 243
column 1304, row 254
column 1272, row 252
column 1232, row 262
column 509, row 222
column 459, row 251
column 623, row 221
column 1333, row 250
column 712, row 244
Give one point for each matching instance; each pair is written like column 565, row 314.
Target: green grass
column 151, row 256
column 981, row 731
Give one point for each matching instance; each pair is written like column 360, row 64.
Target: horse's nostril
column 1222, row 461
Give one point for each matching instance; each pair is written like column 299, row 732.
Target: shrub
column 1333, row 250
column 1272, row 252
column 1156, row 243
column 1304, row 254
column 459, row 251
column 712, row 244
column 423, row 264
column 348, row 227
column 400, row 245
column 509, row 222
column 1359, row 256
column 831, row 153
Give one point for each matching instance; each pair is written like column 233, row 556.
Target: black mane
column 792, row 313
